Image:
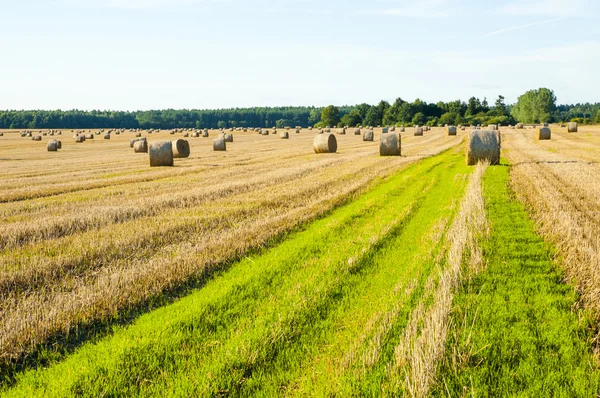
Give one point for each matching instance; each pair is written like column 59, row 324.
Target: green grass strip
column 515, row 333
column 265, row 315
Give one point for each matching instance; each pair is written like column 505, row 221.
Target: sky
column 206, row 54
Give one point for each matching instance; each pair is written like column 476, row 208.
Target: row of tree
column 534, row 106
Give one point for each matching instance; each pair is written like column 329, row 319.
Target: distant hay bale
column 1, row 134
column 327, row 130
column 297, row 131
column 483, row 145
column 572, row 127
column 265, row 132
column 320, row 131
column 520, row 126
column 180, row 148
column 89, row 137
column 402, row 129
column 427, row 128
column 357, row 132
column 37, row 138
column 389, row 144
column 52, row 146
column 418, row 131
column 368, row 135
column 463, row 128
column 384, row 130
column 107, row 136
column 342, row 131
column 228, row 137
column 545, row 125
column 284, row 135
column 451, row 130
column 219, row 144
column 195, row 134
column 170, row 132
column 80, row 138
column 160, row 153
column 325, row 143
column 186, row 135
column 134, row 140
column 493, row 127
column 140, row 146
column 310, row 128
column 393, row 128
column 543, row 133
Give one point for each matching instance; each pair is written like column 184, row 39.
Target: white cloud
column 559, row 8
column 517, row 27
column 415, row 9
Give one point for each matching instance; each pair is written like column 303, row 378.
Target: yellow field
column 91, row 230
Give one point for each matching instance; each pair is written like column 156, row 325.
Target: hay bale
column 483, row 145
column 419, row 131
column 572, row 127
column 180, row 148
column 89, row 137
column 427, row 128
column 186, row 135
column 228, row 137
column 545, row 125
column 140, row 146
column 80, row 138
column 357, row 132
column 37, row 138
column 134, row 140
column 393, row 128
column 342, row 131
column 325, row 143
column 219, row 143
column 320, row 131
column 1, row 134
column 265, row 132
column 297, row 131
column 463, row 128
column 543, row 133
column 451, row 130
column 52, row 146
column 284, row 135
column 58, row 144
column 368, row 135
column 384, row 130
column 389, row 144
column 107, row 136
column 493, row 127
column 160, row 153
column 520, row 126
column 402, row 129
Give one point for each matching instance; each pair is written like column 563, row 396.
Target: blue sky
column 151, row 54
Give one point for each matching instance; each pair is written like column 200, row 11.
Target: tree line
column 534, row 106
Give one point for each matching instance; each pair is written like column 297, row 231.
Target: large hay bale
column 543, row 133
column 483, row 145
column 357, row 132
column 368, row 135
column 107, row 136
column 134, row 140
column 325, row 143
column 572, row 127
column 389, row 144
column 53, row 146
column 284, row 135
column 451, row 130
column 180, row 148
column 160, row 153
column 219, row 143
column 228, row 137
column 140, row 146
column 418, row 131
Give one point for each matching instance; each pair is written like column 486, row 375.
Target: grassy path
column 515, row 332
column 320, row 313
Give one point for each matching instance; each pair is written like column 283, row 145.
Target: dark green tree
column 330, row 116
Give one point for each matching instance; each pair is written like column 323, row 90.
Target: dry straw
column 389, row 144
column 572, row 127
column 325, row 143
column 451, row 130
column 368, row 135
column 418, row 130
column 543, row 133
column 483, row 145
column 140, row 146
column 160, row 153
column 219, row 143
column 181, row 149
column 284, row 135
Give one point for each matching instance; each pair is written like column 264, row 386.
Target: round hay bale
column 451, row 130
column 427, row 128
column 140, row 146
column 265, row 132
column 520, row 126
column 186, row 135
column 205, row 134
column 181, row 149
column 80, row 138
column 284, row 135
column 138, row 134
column 219, row 144
column 52, row 146
column 107, row 136
column 195, row 134
column 320, row 131
column 1, row 134
column 89, row 137
column 384, row 130
column 483, row 145
column 37, row 138
column 342, row 131
column 228, row 137
column 160, row 153
column 389, row 144
column 29, row 134
column 393, row 128
column 545, row 125
column 493, row 127
column 368, row 135
column 58, row 144
column 572, row 127
column 543, row 133
column 402, row 129
column 463, row 128
column 310, row 128
column 327, row 130
column 297, row 131
column 357, row 132
column 418, row 131
column 325, row 143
